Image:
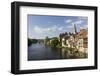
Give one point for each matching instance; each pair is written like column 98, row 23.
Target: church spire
column 74, row 29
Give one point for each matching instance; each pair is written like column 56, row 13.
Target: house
column 78, row 40
column 65, row 42
column 68, row 39
column 82, row 40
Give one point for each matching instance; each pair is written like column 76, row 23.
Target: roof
column 83, row 33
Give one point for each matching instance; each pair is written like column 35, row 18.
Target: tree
column 29, row 42
column 54, row 42
column 34, row 40
column 46, row 40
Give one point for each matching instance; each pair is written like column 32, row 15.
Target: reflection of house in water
column 76, row 39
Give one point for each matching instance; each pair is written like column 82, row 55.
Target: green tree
column 55, row 42
column 29, row 42
column 34, row 40
column 46, row 41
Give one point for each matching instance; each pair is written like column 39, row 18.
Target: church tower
column 74, row 29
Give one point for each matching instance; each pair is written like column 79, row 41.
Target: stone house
column 78, row 40
column 82, row 40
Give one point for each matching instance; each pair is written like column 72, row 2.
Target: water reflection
column 65, row 53
column 40, row 51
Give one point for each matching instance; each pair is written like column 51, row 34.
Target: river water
column 39, row 51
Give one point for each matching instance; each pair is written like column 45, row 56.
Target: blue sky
column 40, row 26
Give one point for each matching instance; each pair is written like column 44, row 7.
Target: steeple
column 74, row 29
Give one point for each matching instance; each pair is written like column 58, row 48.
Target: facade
column 69, row 39
column 78, row 40
column 82, row 43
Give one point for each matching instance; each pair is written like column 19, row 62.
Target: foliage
column 29, row 42
column 54, row 42
column 46, row 41
column 32, row 41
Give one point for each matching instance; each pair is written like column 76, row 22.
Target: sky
column 41, row 26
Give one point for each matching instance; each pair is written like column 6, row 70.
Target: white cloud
column 68, row 21
column 78, row 22
column 70, row 26
column 84, row 27
column 49, row 22
column 60, row 28
column 54, row 28
column 39, row 30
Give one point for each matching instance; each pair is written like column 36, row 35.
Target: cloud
column 60, row 28
column 70, row 26
column 84, row 27
column 39, row 29
column 78, row 22
column 54, row 28
column 82, row 18
column 68, row 21
column 49, row 22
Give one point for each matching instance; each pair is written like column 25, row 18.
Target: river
column 39, row 51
